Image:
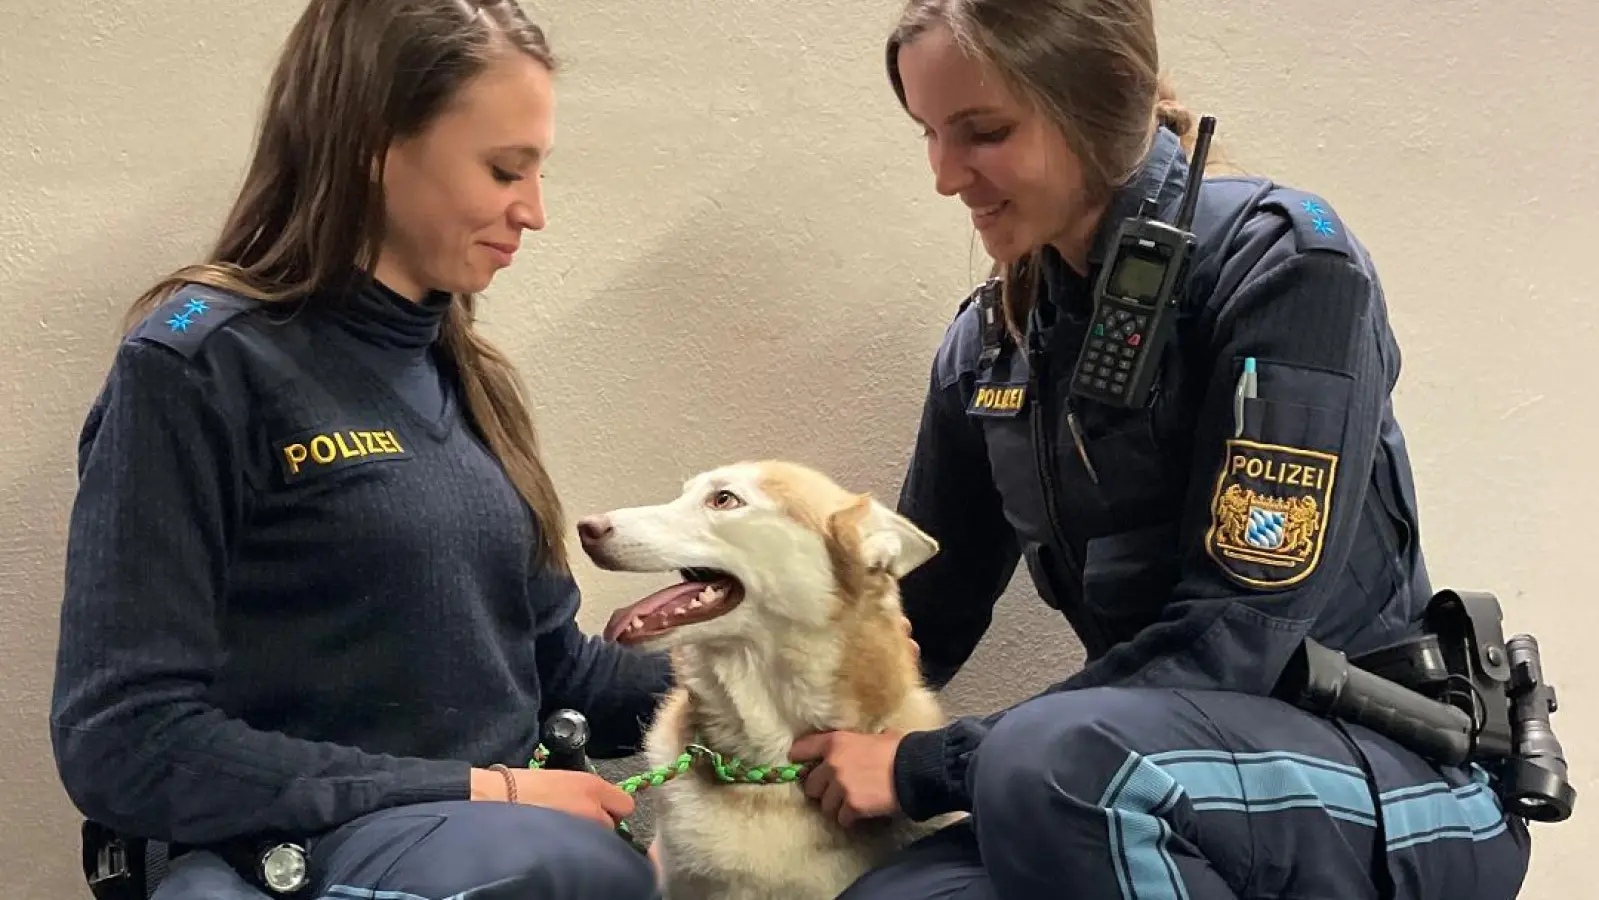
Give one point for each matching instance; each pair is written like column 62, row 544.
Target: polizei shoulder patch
column 1269, row 513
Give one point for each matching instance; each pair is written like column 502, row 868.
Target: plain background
column 746, row 257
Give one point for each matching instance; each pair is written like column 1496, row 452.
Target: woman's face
column 1005, row 160
column 460, row 194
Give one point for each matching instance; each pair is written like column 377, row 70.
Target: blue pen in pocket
column 1245, row 390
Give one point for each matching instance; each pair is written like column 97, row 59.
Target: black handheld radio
column 1136, row 296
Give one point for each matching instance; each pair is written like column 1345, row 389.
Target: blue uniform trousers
column 459, row 850
column 1149, row 794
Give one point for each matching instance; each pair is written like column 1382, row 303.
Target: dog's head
column 760, row 546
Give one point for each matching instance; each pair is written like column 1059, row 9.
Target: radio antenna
column 1196, row 173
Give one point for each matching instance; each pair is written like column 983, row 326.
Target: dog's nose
column 593, row 528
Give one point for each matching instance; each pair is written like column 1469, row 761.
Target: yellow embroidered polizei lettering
column 999, row 399
column 330, row 448
column 1269, row 513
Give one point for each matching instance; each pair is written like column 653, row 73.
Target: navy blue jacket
column 1191, row 549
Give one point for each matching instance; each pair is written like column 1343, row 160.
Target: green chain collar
column 722, row 769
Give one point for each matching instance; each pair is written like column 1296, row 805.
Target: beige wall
column 749, row 259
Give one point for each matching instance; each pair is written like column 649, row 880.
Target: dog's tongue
column 663, row 600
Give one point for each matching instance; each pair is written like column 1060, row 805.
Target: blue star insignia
column 179, row 322
column 1323, row 227
column 1313, row 208
column 196, row 307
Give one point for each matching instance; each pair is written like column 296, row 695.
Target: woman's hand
column 854, row 777
column 583, row 794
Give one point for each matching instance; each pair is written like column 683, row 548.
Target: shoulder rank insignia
column 1316, row 226
column 191, row 314
column 1269, row 513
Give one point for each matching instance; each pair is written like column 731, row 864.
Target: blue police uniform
column 1193, row 545
column 302, row 601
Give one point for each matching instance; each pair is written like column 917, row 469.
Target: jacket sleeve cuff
column 929, row 774
column 433, row 780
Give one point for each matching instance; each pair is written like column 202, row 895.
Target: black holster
column 114, row 866
column 1456, row 694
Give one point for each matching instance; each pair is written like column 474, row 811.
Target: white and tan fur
column 816, row 644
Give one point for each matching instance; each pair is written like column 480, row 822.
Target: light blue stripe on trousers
column 345, row 892
column 1146, row 787
column 1135, row 801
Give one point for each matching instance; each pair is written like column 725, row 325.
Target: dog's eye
column 724, row 499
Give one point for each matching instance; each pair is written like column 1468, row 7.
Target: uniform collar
column 1064, row 291
column 380, row 316
column 1162, row 175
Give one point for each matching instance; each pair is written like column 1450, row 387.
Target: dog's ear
column 889, row 542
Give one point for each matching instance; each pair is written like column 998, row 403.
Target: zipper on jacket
column 1068, row 598
column 1044, row 452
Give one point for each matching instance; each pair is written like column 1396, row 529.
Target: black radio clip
column 1459, row 693
column 1137, row 293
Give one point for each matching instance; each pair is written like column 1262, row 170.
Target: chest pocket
column 1137, row 460
column 1113, row 455
column 1130, row 559
column 1297, row 407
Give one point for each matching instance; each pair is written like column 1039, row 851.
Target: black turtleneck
column 299, row 588
column 396, row 337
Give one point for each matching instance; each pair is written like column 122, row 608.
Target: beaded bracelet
column 510, row 780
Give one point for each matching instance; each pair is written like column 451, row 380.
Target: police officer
column 317, row 602
column 1261, row 495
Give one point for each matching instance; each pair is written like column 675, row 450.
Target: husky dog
column 787, row 621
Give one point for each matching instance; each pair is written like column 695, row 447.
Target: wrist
column 492, row 785
column 930, row 772
column 918, row 765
